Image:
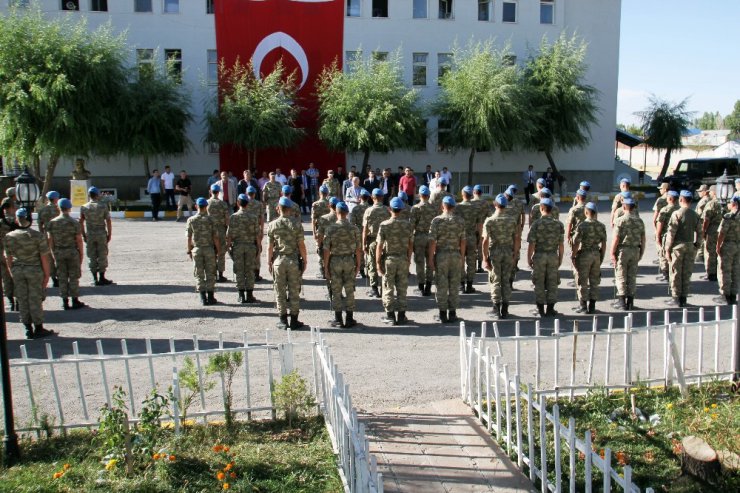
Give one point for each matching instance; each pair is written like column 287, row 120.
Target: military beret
column 333, row 201
column 502, row 200
column 342, row 207
column 377, row 192
column 449, row 200
column 324, row 189
column 287, row 189
column 285, row 202
column 242, row 198
column 251, row 189
column 52, row 195
column 467, row 190
column 513, row 187
column 687, row 194
column 736, row 199
column 541, row 181
column 215, row 188
column 93, row 191
column 672, row 193
column 478, row 188
column 581, row 192
column 546, row 202
column 397, row 204
column 625, row 180
column 591, row 206
column 65, row 204
column 626, row 195
column 424, row 190
column 364, row 193
column 628, row 202
column 509, row 192
column 545, row 191
column 22, row 212
column 201, row 202
column 402, row 195
column 442, row 181
column 585, row 184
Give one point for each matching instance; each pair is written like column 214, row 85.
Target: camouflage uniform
column 546, row 234
column 342, row 239
column 333, row 185
column 25, row 247
column 286, row 274
column 202, row 229
column 589, row 236
column 501, row 231
column 628, row 230
column 447, row 230
column 713, row 215
column 421, row 219
column 729, row 256
column 405, row 214
column 663, row 216
column 63, row 231
column 374, row 215
column 220, row 212
column 271, row 195
column 243, row 236
column 471, row 215
column 6, row 226
column 576, row 215
column 437, row 197
column 700, row 207
column 486, row 210
column 535, row 213
column 46, row 214
column 394, row 238
column 96, row 215
column 684, row 231
column 660, row 202
column 255, row 207
column 318, row 209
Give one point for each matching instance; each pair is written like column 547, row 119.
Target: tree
column 564, row 105
column 368, row 108
column 709, row 121
column 663, row 125
column 60, row 86
column 483, row 99
column 732, row 121
column 252, row 113
column 631, row 128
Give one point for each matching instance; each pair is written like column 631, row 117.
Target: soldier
column 342, row 259
column 318, row 209
column 204, row 246
column 271, row 196
column 406, row 211
column 332, row 184
column 620, row 211
column 515, row 207
column 485, row 212
column 220, row 211
column 446, row 254
column 244, row 244
column 295, row 215
column 439, row 194
column 355, row 217
column 322, row 224
column 684, row 232
column 501, row 243
column 65, row 243
column 587, row 252
column 287, row 261
column 393, row 254
column 628, row 246
column 704, row 198
column 576, row 215
column 624, row 186
column 374, row 215
column 46, row 214
column 27, row 256
column 535, row 213
column 586, row 187
column 545, row 255
column 97, row 230
column 661, row 229
column 470, row 213
column 539, row 185
column 711, row 218
column 421, row 219
column 257, row 208
column 728, row 250
column 7, row 224
column 660, row 202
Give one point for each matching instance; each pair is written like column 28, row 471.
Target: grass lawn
column 256, row 456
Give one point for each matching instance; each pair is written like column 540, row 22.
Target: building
column 424, row 32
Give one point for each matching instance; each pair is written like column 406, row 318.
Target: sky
column 677, row 49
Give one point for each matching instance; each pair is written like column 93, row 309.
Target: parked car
column 690, row 174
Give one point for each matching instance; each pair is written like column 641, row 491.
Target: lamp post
column 26, row 190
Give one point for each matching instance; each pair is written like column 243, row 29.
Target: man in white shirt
column 352, row 195
column 447, row 176
column 279, row 176
column 168, row 178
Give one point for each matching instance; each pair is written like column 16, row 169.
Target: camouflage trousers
column 625, row 272
column 710, row 254
column 342, row 270
column 448, row 272
column 502, row 268
column 7, row 280
column 320, row 253
column 29, row 292
column 421, row 242
column 471, row 257
column 97, row 252
column 663, row 260
column 204, row 268
column 395, row 283
column 244, row 256
column 683, row 257
column 68, row 271
column 588, row 275
column 221, row 261
column 372, row 266
column 272, row 211
column 287, row 284
column 545, row 278
column 729, row 268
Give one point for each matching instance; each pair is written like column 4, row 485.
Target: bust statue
column 80, row 173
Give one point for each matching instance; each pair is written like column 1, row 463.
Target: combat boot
column 102, row 281
column 469, row 289
column 296, row 324
column 479, row 267
column 630, row 302
column 65, row 303
column 428, row 289
column 504, row 310
column 673, row 302
column 350, row 321
column 211, row 298
column 712, row 277
column 551, row 310
column 496, row 314
column 337, row 322
column 452, row 316
column 221, row 277
column 241, row 298
column 76, row 304
column 374, row 292
column 283, row 323
column 582, row 307
column 29, row 331
column 401, row 319
column 250, row 297
column 390, row 318
column 203, row 298
column 731, row 298
column 39, row 331
column 95, row 279
column 462, row 287
column 682, row 303
column 443, row 316
column 55, row 282
column 541, row 309
column 421, row 288
column 591, row 306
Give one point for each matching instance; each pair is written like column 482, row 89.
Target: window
column 421, row 144
column 173, row 59
column 171, row 6
column 142, row 5
column 212, row 74
column 380, row 56
column 444, row 127
column 420, row 9
column 380, row 8
column 209, row 7
column 484, row 10
column 509, row 13
column 21, row 4
column 547, row 12
column 350, row 59
column 510, row 60
column 99, row 5
column 445, row 9
column 213, row 147
column 354, row 8
column 70, row 4
column 444, row 62
column 419, row 76
column 145, row 61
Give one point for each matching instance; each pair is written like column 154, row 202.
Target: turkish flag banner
column 307, row 35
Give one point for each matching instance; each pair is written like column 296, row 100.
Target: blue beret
column 449, row 200
column 402, row 195
column 466, row 189
column 215, row 188
column 513, row 187
column 285, row 202
column 736, row 199
column 333, row 201
column 626, row 195
column 541, row 181
column 424, row 190
column 251, row 189
column 397, row 204
column 341, row 206
column 625, row 180
column 442, row 181
column 478, row 188
column 287, row 189
column 687, row 194
column 52, row 195
column 22, row 212
column 201, row 202
column 324, row 189
column 672, row 193
column 242, row 198
column 65, row 204
column 377, row 192
column 585, row 184
column 591, row 206
column 628, row 202
column 545, row 191
column 546, row 202
column 364, row 192
column 502, row 200
column 93, row 191
column 581, row 192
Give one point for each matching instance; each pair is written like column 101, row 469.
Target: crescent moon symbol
column 286, row 42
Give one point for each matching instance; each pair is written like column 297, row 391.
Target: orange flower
column 228, row 466
column 220, row 475
column 649, row 457
column 622, row 459
column 156, row 456
column 58, row 475
column 218, row 448
column 232, row 475
column 581, row 456
column 172, row 458
column 66, row 466
column 226, row 486
column 226, row 449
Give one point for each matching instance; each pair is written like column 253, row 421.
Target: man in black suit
column 549, row 178
column 371, row 182
column 388, row 186
column 428, row 175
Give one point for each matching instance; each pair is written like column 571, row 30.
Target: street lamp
column 725, row 189
column 26, row 190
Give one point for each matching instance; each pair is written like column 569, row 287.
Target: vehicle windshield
column 682, row 167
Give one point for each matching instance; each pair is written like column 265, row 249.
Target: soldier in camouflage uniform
column 97, row 230
column 704, row 198
column 355, row 217
column 46, row 214
column 535, row 213
column 576, row 215
column 535, row 198
column 405, row 213
column 421, row 219
column 439, row 194
column 374, row 215
column 27, row 256
column 485, row 211
column 65, row 244
column 393, row 255
column 515, row 208
column 471, row 214
column 204, row 246
column 501, row 242
column 332, row 184
column 446, row 254
column 628, row 246
column 257, row 208
column 318, row 209
column 321, row 225
column 620, row 212
column 295, row 213
column 624, row 186
column 545, row 255
column 684, row 232
column 661, row 229
column 271, row 196
column 244, row 244
column 220, row 212
column 588, row 249
column 342, row 258
column 586, row 187
column 711, row 218
column 287, row 260
column 7, row 224
column 660, row 202
column 728, row 250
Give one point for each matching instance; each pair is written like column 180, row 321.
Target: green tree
column 252, row 113
column 709, row 121
column 663, row 125
column 732, row 121
column 565, row 106
column 368, row 108
column 631, row 128
column 60, row 87
column 483, row 99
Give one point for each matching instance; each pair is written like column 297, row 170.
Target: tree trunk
column 666, row 162
column 50, row 168
column 471, row 158
column 699, row 459
column 36, row 166
column 146, row 167
column 365, row 159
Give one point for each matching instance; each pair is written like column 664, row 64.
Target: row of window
column 173, row 58
column 168, row 6
column 446, row 10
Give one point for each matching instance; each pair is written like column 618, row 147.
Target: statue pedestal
column 78, row 192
